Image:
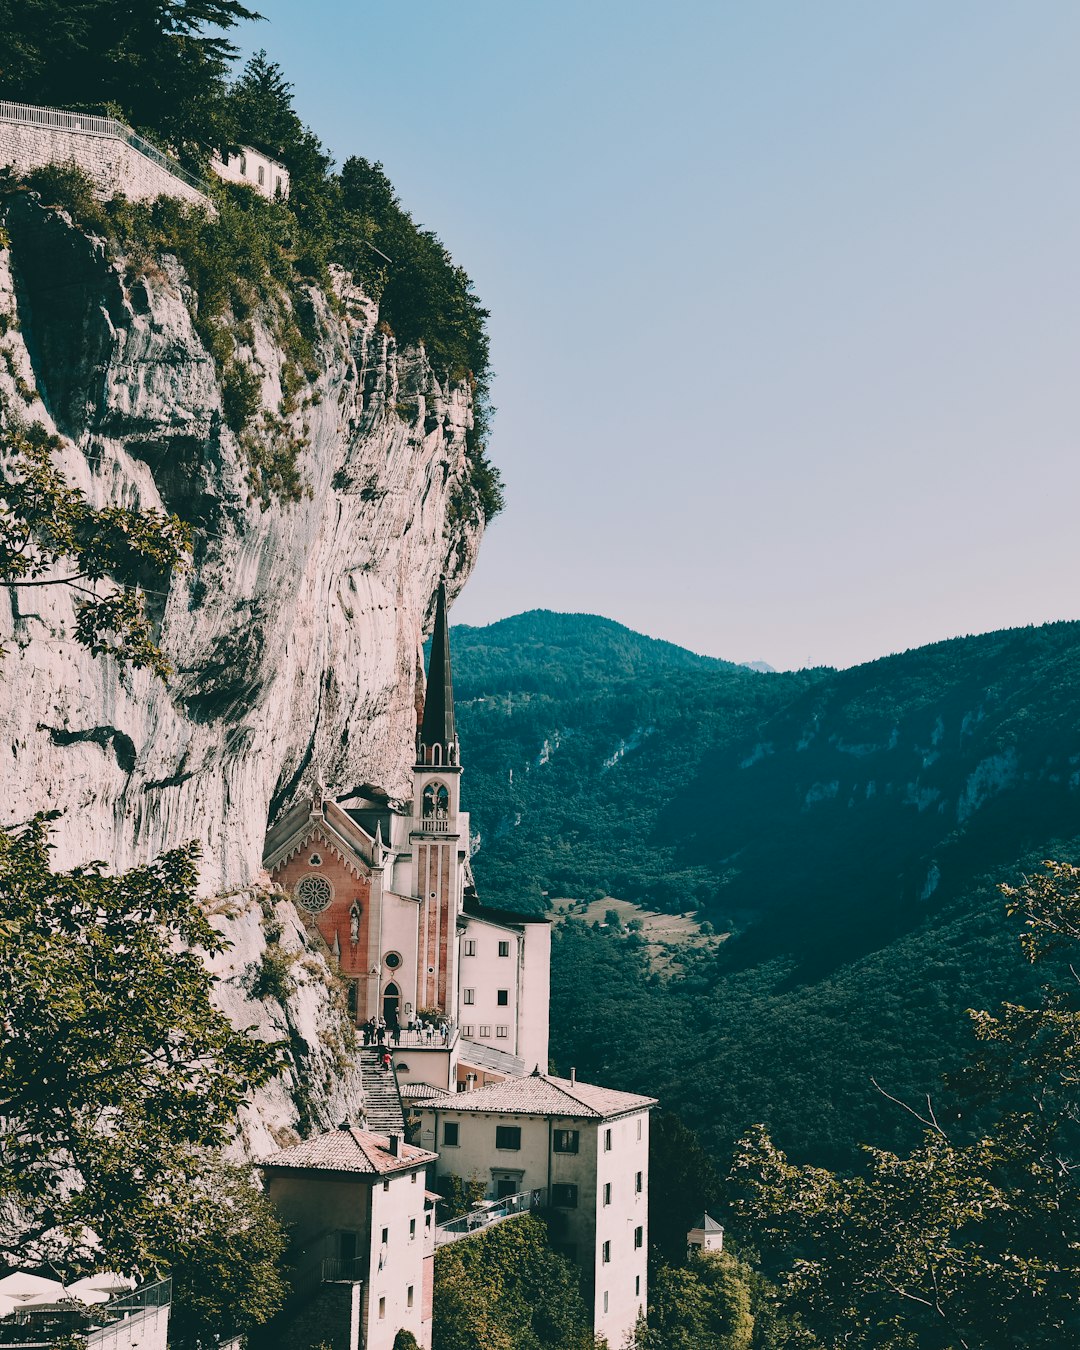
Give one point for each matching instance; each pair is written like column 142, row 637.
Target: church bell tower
column 440, row 833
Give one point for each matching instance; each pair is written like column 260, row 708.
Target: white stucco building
column 586, row 1148
column 254, row 169
column 363, row 1238
column 706, row 1235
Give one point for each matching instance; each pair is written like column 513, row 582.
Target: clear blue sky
column 785, row 298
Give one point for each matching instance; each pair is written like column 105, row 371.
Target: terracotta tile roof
column 542, row 1095
column 349, row 1149
column 418, row 1091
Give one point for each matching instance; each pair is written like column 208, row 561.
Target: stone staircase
column 382, row 1100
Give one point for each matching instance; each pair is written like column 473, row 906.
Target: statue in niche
column 354, row 922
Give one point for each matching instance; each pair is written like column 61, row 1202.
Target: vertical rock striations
column 296, row 634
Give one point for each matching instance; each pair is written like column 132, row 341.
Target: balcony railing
column 418, row 1040
column 342, row 1270
column 482, row 1216
column 432, row 825
column 91, row 124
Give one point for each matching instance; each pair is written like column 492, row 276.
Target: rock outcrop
column 296, row 634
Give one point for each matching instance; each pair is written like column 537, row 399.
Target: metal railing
column 482, row 1216
column 417, row 1040
column 342, row 1270
column 92, row 124
column 43, row 1325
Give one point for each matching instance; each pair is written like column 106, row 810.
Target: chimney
column 573, row 1075
column 395, row 1145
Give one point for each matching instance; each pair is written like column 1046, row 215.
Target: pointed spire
column 437, row 727
column 377, row 848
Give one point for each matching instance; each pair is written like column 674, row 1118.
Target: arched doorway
column 390, row 1004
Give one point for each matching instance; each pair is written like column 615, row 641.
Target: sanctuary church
column 464, row 991
column 384, row 886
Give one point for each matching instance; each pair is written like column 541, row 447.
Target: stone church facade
column 384, row 885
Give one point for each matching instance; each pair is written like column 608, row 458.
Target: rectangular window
column 382, row 1308
column 639, row 1129
column 637, row 1182
column 450, row 1134
column 485, row 1031
column 564, row 1196
column 605, row 1300
column 262, row 174
column 386, row 1185
column 565, row 1141
column 508, row 1136
column 502, row 998
column 412, row 1230
column 470, row 946
column 409, row 1295
column 607, row 1141
column 385, row 1236
column 469, row 996
column 413, row 1177
column 504, row 949
column 606, row 1253
column 467, row 1032
column 637, row 1286
column 607, row 1192
column 502, row 1032
column 639, row 1236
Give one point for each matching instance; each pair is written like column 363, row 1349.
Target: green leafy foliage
column 459, row 1194
column 162, row 66
column 118, row 1077
column 107, row 555
column 226, row 1264
column 972, row 1238
column 702, row 1305
column 507, row 1289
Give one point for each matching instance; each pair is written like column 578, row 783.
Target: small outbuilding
column 706, row 1235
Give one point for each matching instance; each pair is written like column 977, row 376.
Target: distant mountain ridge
column 850, row 824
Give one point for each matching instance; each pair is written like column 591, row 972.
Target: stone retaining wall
column 110, row 163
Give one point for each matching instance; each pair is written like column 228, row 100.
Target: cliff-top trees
column 969, row 1243
column 161, row 62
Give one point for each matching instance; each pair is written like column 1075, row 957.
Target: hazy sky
column 785, row 298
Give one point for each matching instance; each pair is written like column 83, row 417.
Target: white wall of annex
column 396, row 1265
column 624, row 1279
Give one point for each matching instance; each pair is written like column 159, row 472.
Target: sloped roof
column 707, row 1224
column 349, row 1149
column 420, row 1091
column 542, row 1095
column 473, row 908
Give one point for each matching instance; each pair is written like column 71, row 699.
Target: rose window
column 313, row 893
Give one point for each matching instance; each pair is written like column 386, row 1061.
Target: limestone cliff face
column 296, row 634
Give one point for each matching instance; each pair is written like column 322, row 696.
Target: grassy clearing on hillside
column 664, row 938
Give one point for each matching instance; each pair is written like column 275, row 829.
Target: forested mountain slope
column 850, row 827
